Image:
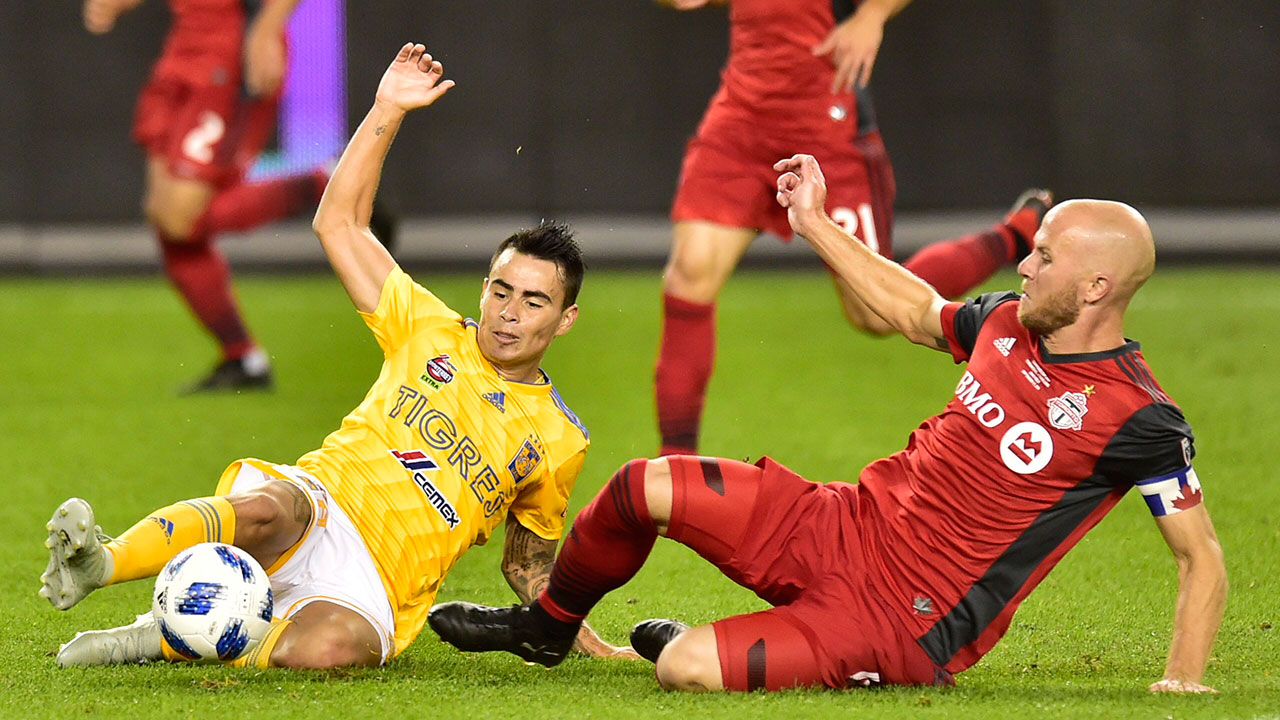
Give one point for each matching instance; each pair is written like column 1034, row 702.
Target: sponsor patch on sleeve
column 1171, row 494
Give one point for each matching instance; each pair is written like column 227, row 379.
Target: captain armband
column 1172, row 493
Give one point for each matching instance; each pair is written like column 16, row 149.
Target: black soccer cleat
column 649, row 637
column 480, row 628
column 1025, row 216
column 384, row 223
column 247, row 373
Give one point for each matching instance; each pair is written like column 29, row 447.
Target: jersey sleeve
column 961, row 321
column 1153, row 450
column 405, row 308
column 541, row 507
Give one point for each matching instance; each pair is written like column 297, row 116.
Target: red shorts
column 727, row 178
column 207, row 129
column 795, row 544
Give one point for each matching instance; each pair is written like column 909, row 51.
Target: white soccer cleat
column 77, row 557
column 135, row 643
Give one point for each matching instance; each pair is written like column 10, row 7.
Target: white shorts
column 330, row 563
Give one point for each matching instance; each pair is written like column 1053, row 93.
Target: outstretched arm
column 1202, row 596
column 342, row 221
column 906, row 302
column 526, row 564
column 854, row 43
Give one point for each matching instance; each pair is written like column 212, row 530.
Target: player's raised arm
column 527, row 560
column 906, row 302
column 1202, row 595
column 342, row 221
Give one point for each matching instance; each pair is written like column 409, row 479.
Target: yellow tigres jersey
column 441, row 449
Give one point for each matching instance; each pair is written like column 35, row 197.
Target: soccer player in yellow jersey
column 461, row 430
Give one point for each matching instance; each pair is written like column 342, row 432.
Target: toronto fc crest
column 1067, row 411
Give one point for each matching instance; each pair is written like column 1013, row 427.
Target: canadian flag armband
column 1172, row 493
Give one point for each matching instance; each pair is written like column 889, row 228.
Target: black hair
column 551, row 241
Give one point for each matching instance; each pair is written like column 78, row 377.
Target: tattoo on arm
column 526, row 561
column 942, row 343
column 380, row 129
column 301, row 504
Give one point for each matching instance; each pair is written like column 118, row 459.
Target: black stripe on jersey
column 711, row 475
column 989, row 596
column 970, row 317
column 1130, row 366
column 756, row 664
column 1145, row 372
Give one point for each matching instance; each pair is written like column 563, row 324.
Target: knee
column 692, row 274
column 326, row 646
column 690, row 663
column 271, row 518
column 176, row 222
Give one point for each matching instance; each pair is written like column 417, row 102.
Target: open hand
column 412, row 80
column 852, row 46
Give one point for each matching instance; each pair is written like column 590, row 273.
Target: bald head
column 1106, row 238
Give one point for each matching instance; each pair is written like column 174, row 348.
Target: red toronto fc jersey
column 1029, row 454
column 772, row 72
column 205, row 39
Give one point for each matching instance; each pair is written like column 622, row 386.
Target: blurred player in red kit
column 206, row 112
column 795, row 82
column 913, row 573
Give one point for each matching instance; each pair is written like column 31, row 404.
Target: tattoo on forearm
column 941, row 342
column 527, row 561
column 380, row 129
column 301, row 505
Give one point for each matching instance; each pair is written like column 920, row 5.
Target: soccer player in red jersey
column 913, row 573
column 795, row 82
column 205, row 114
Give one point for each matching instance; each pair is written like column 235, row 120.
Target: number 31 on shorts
column 853, row 221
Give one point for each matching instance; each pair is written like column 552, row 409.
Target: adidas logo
column 1004, row 345
column 496, row 399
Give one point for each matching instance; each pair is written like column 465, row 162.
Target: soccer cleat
column 77, row 558
column 251, row 372
column 649, row 637
column 1025, row 216
column 479, row 628
column 138, row 642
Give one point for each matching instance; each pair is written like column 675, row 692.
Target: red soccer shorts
column 206, row 130
column 727, row 178
column 795, row 544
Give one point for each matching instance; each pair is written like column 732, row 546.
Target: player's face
column 1050, row 300
column 521, row 312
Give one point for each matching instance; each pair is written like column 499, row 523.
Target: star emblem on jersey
column 922, row 605
column 496, row 399
column 1067, row 411
column 438, row 372
column 1089, row 391
column 1004, row 345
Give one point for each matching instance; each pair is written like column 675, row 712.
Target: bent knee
column 327, row 647
column 270, row 518
column 691, row 662
column 175, row 219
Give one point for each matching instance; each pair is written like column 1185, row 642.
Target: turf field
column 89, row 409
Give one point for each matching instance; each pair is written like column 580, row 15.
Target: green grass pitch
column 89, row 409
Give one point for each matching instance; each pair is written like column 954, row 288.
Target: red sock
column 954, row 267
column 685, row 359
column 609, row 542
column 249, row 205
column 200, row 274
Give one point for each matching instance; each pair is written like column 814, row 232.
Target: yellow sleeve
column 541, row 507
column 405, row 308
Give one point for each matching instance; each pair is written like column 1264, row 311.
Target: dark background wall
column 1170, row 103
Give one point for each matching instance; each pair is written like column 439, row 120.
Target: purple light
column 313, row 115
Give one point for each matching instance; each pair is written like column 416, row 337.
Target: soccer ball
column 212, row 602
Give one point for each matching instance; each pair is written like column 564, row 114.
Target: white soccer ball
column 213, row 602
